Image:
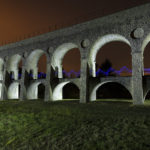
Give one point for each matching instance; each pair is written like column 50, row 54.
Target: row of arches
column 105, row 90
column 14, row 65
column 113, row 47
column 35, row 91
column 34, row 66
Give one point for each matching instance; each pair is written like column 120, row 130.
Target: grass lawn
column 68, row 125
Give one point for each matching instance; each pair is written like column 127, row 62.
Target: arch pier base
column 22, row 92
column 23, row 80
column 84, row 82
column 47, row 96
column 137, row 84
column 3, row 92
column 47, row 93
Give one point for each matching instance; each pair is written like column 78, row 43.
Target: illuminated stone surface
column 138, row 33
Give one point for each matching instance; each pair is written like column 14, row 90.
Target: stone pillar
column 84, row 95
column 4, row 90
column 1, row 86
column 22, row 93
column 47, row 84
column 137, row 71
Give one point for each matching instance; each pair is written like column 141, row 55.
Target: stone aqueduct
column 131, row 26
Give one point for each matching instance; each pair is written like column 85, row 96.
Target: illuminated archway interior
column 71, row 91
column 13, row 91
column 36, row 91
column 58, row 56
column 58, row 92
column 110, row 90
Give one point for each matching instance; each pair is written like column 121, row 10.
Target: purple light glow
column 98, row 72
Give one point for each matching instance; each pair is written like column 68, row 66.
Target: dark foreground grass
column 68, row 125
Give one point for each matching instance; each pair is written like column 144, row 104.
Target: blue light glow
column 98, row 72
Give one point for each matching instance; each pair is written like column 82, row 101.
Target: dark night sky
column 19, row 18
column 24, row 17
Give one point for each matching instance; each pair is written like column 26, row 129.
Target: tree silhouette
column 106, row 66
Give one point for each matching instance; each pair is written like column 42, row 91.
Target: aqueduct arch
column 72, row 57
column 58, row 56
column 93, row 92
column 32, row 62
column 13, row 65
column 100, row 42
column 58, row 90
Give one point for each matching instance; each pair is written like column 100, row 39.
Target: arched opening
column 66, row 90
column 66, row 61
column 36, row 91
column 42, row 64
column 113, row 91
column 114, row 59
column 14, row 91
column 36, row 64
column 71, row 91
column 14, row 67
column 71, row 64
column 20, row 69
column 41, row 91
column 117, row 51
column 110, row 90
column 147, row 60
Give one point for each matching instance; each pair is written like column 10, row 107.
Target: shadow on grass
column 114, row 101
column 72, row 102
